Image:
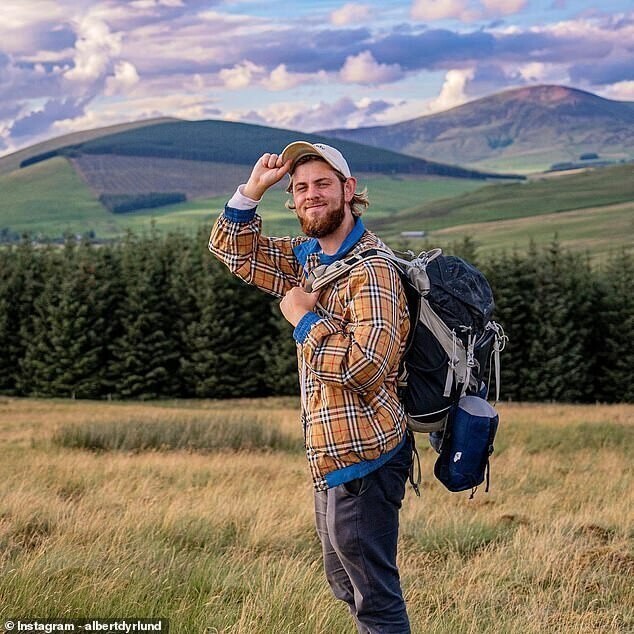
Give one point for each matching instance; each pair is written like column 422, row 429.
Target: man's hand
column 296, row 303
column 266, row 172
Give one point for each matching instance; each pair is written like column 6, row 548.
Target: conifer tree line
column 156, row 316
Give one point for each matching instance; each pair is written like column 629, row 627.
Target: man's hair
column 360, row 201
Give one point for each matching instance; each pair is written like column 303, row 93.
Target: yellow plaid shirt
column 348, row 357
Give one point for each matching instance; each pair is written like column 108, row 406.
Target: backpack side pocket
column 467, row 444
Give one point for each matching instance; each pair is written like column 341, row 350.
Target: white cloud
column 24, row 24
column 94, row 50
column 442, row 10
column 621, row 91
column 281, row 79
column 351, row 13
column 151, row 4
column 193, row 107
column 503, row 7
column 452, row 93
column 125, row 77
column 17, row 14
column 464, row 10
column 364, row 69
column 308, row 117
column 541, row 72
column 533, row 71
column 241, row 75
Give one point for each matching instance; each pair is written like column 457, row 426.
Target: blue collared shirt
column 303, row 251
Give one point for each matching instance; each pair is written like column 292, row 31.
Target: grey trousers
column 357, row 523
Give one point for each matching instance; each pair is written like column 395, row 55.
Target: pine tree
column 556, row 366
column 22, row 277
column 513, row 281
column 108, row 297
column 615, row 322
column 280, row 356
column 145, row 357
column 63, row 356
column 225, row 355
column 39, row 363
column 187, row 257
column 8, row 327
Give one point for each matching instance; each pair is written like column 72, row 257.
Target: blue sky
column 68, row 65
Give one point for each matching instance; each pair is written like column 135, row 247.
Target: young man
column 350, row 339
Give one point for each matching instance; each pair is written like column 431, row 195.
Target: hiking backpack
column 453, row 347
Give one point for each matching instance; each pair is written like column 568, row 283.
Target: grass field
column 597, row 230
column 589, row 211
column 201, row 512
column 536, row 197
column 50, row 198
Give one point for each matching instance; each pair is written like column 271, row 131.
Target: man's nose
column 312, row 192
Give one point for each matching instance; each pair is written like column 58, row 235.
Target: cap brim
column 294, row 151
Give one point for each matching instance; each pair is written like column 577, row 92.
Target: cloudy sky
column 68, row 65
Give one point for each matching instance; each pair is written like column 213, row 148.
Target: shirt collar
column 305, row 249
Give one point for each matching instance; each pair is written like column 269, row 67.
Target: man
column 350, row 341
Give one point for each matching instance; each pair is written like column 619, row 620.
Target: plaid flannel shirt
column 349, row 349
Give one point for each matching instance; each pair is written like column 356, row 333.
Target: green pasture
column 521, row 199
column 597, row 231
column 49, row 198
column 588, row 211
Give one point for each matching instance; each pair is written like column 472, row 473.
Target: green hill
column 59, row 184
column 592, row 188
column 592, row 210
column 50, row 199
column 242, row 144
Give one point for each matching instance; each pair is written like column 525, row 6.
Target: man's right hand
column 268, row 170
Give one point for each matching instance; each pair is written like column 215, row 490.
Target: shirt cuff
column 239, row 215
column 304, row 325
column 242, row 202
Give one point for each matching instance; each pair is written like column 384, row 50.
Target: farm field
column 201, row 512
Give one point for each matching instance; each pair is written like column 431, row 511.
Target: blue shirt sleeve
column 239, row 215
column 304, row 325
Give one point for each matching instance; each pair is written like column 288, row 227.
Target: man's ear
column 349, row 187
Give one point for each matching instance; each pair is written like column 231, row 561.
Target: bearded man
column 350, row 340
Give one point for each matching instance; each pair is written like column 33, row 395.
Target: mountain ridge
column 12, row 161
column 541, row 125
column 218, row 141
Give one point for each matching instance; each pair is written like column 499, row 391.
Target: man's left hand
column 296, row 303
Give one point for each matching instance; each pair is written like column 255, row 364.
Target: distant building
column 412, row 234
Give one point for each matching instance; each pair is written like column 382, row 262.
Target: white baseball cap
column 331, row 155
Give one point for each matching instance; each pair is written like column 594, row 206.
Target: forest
column 156, row 316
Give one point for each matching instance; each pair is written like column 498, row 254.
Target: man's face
column 319, row 198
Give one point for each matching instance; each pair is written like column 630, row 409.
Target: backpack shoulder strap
column 324, row 275
column 413, row 270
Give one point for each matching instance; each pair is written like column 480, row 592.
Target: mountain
column 105, row 181
column 525, row 129
column 12, row 161
column 226, row 142
column 160, row 163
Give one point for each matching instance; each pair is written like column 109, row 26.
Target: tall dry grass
column 220, row 539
